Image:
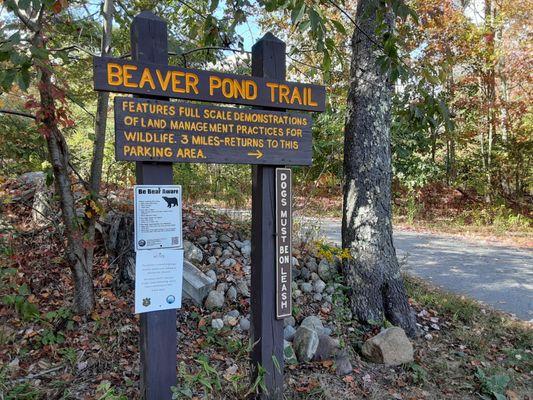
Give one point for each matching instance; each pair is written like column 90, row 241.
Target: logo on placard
column 142, row 243
column 171, row 299
column 147, row 302
column 171, row 201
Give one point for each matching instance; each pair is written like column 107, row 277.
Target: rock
column 217, row 252
column 224, row 238
column 327, row 348
column 343, row 366
column 289, row 321
column 212, row 274
column 314, row 277
column 212, row 260
column 288, row 333
column 203, row 240
column 215, row 299
column 227, row 253
column 313, row 323
column 295, row 273
column 296, row 293
column 229, row 262
column 233, row 313
column 212, row 238
column 390, row 347
column 192, row 253
column 306, row 287
column 32, row 178
column 231, row 294
column 325, row 271
column 304, row 274
column 217, row 323
column 196, row 284
column 41, row 208
column 305, row 343
column 288, row 353
column 312, row 265
column 317, row 297
column 238, row 244
column 246, row 250
column 222, row 287
column 330, row 289
column 319, row 286
column 229, row 320
column 244, row 324
column 294, row 262
column 242, row 288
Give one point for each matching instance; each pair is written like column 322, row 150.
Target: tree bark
column 100, row 126
column 59, row 158
column 372, row 271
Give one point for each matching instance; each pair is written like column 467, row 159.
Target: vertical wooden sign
column 158, row 337
column 283, row 242
column 268, row 61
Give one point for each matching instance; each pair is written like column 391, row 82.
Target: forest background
column 462, row 118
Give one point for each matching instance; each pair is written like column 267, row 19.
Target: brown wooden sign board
column 164, row 131
column 126, row 76
column 283, row 242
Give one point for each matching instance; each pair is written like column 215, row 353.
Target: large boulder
column 305, row 343
column 390, row 347
column 314, row 323
column 215, row 299
column 327, row 348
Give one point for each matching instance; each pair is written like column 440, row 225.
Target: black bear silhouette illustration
column 171, row 201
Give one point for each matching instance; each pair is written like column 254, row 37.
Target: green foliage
column 492, row 387
column 418, row 373
column 26, row 310
column 205, row 379
column 105, row 391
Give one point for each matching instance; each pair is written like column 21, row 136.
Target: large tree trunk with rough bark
column 59, row 158
column 372, row 271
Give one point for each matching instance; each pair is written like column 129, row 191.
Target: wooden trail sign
column 126, row 76
column 155, row 133
column 150, row 130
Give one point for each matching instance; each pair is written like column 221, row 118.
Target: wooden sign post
column 268, row 60
column 158, row 340
column 155, row 132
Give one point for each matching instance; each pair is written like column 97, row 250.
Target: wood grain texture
column 216, row 145
column 101, row 83
column 158, row 336
column 268, row 60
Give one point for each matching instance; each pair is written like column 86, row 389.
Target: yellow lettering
column 127, row 76
column 114, row 74
column 147, row 77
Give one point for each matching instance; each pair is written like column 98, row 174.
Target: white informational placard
column 157, row 217
column 158, row 280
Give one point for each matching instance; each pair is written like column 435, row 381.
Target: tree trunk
column 100, row 126
column 372, row 271
column 59, row 158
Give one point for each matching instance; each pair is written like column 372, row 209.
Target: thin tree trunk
column 59, row 158
column 95, row 179
column 372, row 271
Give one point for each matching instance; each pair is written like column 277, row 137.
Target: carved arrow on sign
column 257, row 153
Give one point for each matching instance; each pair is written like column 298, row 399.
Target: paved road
column 496, row 275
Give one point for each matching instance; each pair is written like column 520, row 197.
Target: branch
column 19, row 113
column 74, row 46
